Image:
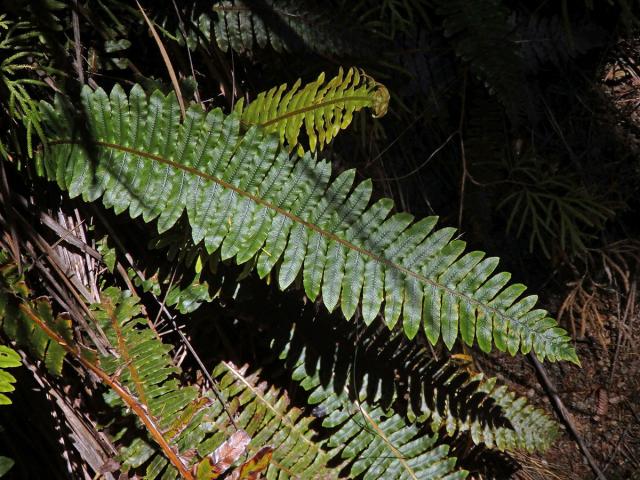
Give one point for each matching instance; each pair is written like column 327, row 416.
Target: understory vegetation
column 289, row 239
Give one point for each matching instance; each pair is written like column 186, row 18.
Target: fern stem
column 123, row 347
column 139, row 409
column 314, row 106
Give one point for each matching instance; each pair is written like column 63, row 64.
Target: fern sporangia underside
column 248, row 198
column 323, row 108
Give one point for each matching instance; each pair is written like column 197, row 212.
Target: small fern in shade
column 247, row 198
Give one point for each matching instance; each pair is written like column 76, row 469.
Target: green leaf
column 6, row 464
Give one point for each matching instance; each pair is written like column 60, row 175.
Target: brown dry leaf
column 223, row 457
column 252, row 468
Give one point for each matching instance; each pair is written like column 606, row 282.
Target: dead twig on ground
column 564, row 415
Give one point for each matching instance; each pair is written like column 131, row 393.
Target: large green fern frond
column 249, row 199
column 323, row 108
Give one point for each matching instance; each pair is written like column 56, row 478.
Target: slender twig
column 564, row 415
column 76, row 42
column 166, row 59
column 629, row 308
column 463, row 157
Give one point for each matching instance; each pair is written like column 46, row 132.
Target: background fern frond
column 481, row 35
column 247, row 198
column 382, row 368
column 284, row 25
column 324, row 108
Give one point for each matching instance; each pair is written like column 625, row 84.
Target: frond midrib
column 256, row 392
column 327, row 234
column 314, row 106
column 385, row 439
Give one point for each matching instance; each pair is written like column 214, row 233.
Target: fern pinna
column 246, row 197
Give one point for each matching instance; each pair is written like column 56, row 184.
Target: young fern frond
column 323, row 108
column 246, row 197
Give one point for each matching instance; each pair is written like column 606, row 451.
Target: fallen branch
column 564, row 415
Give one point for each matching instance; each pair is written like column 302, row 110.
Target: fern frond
column 386, row 370
column 9, row 358
column 378, row 443
column 21, row 328
column 17, row 81
column 284, row 25
column 380, row 367
column 141, row 363
column 546, row 40
column 249, row 199
column 192, row 422
column 264, row 412
column 481, row 35
column 323, row 108
column 532, row 429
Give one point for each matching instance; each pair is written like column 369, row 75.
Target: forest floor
column 602, row 397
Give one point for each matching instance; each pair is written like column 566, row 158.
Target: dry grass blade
column 166, row 59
